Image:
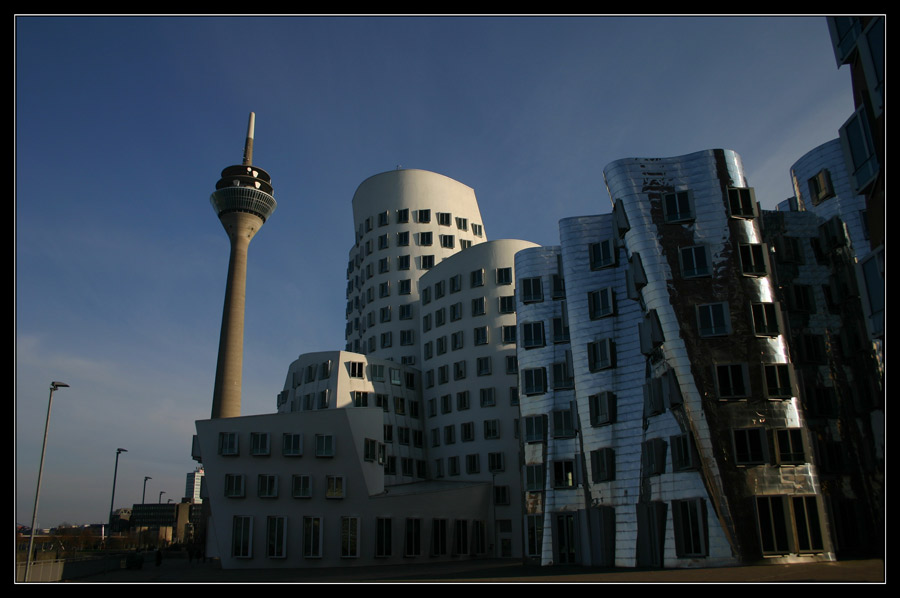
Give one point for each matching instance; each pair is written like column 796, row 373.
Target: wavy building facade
column 640, row 395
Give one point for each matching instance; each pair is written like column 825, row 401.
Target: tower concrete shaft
column 243, row 201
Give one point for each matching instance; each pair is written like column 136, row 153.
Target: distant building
column 192, row 486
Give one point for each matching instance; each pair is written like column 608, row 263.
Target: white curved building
column 405, row 222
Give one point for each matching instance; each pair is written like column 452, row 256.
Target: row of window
column 678, row 206
column 491, row 431
column 292, row 444
column 468, row 537
column 380, row 373
column 402, row 216
column 750, row 447
column 402, row 405
column 496, row 462
column 503, row 276
column 486, row 396
column 267, row 486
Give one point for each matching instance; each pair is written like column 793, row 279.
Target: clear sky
column 123, row 125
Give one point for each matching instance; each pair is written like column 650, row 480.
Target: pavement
column 177, row 569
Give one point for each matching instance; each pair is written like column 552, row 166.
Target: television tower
column 243, row 201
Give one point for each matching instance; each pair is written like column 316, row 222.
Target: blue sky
column 123, row 125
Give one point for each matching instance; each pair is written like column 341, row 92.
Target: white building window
column 292, row 444
column 324, row 445
column 267, row 486
column 276, row 537
column 242, row 537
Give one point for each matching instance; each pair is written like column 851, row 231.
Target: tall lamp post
column 112, row 501
column 53, row 386
column 144, row 495
column 160, row 496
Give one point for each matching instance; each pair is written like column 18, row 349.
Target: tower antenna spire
column 248, row 145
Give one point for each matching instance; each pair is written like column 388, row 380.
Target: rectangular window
column 713, row 319
column 601, row 303
column 508, row 304
column 412, row 545
column 383, row 244
column 292, row 445
column 324, row 445
column 423, row 216
column 534, row 381
column 602, row 408
column 560, row 330
column 234, row 485
column 512, row 364
column 534, row 525
column 447, row 241
column 789, row 446
column 772, row 517
column 259, row 443
column 484, row 366
column 532, row 291
column 242, row 537
column 427, row 262
column 504, row 276
column 453, row 466
column 334, row 486
column 731, row 381
column 349, row 537
column 564, row 474
column 653, row 456
column 501, row 495
column 601, row 355
column 487, row 397
column 534, row 478
column 459, row 370
column 694, row 261
column 456, row 340
column 444, row 218
column 753, row 259
column 228, row 443
column 563, row 424
column 491, row 429
column 496, row 461
column 603, row 465
column 779, row 381
column 267, row 486
column 481, row 335
column 301, row 486
column 750, row 446
column 532, row 335
column 276, row 537
column 478, row 306
column 476, row 278
column 691, row 534
column 563, row 378
column 462, row 223
column 684, row 453
column 742, row 202
column 476, row 230
column 603, row 254
column 473, row 463
column 438, row 537
column 677, row 206
column 534, row 428
column 765, row 319
column 357, row 369
column 312, row 537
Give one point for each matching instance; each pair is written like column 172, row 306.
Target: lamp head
column 57, row 385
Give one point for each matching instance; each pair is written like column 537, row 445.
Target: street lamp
column 160, row 496
column 144, row 495
column 112, row 501
column 37, row 494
